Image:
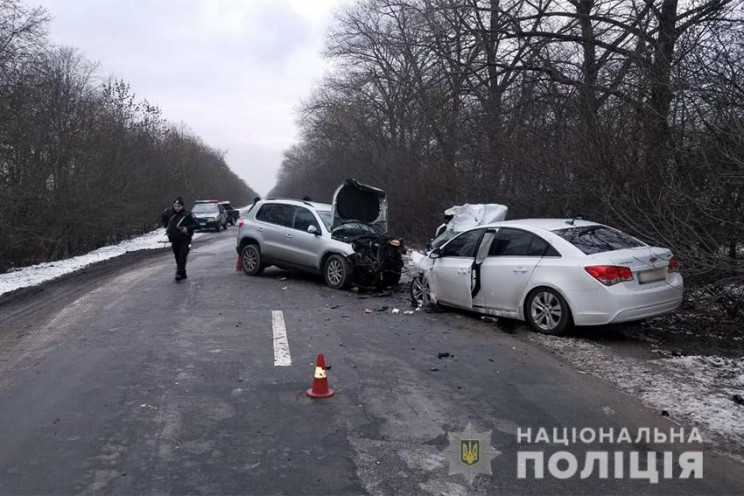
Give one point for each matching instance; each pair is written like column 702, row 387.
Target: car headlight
column 213, row 219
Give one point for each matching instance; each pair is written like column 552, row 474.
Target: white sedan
column 553, row 273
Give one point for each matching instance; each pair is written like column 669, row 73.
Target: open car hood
column 355, row 203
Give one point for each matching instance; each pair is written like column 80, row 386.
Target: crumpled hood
column 468, row 216
column 358, row 203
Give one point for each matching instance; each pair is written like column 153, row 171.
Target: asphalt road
column 126, row 382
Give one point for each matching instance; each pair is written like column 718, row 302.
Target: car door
column 512, row 257
column 451, row 276
column 274, row 221
column 303, row 248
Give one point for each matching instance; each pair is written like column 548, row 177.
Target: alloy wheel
column 335, row 272
column 546, row 311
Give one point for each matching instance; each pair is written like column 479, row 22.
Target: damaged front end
column 360, row 219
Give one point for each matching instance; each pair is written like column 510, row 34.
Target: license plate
column 652, row 276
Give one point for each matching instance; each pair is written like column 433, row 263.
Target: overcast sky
column 233, row 71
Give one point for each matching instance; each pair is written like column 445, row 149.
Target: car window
column 598, row 239
column 541, row 248
column 304, row 218
column 326, row 217
column 276, row 213
column 463, row 245
column 518, row 243
column 205, row 208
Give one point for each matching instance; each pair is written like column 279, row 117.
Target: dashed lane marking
column 282, row 357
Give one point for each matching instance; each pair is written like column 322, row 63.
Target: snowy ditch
column 41, row 273
column 696, row 389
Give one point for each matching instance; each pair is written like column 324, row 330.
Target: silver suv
column 346, row 242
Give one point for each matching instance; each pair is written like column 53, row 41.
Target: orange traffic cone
column 239, row 264
column 320, row 387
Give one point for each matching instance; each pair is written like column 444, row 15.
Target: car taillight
column 673, row 265
column 609, row 274
column 241, row 222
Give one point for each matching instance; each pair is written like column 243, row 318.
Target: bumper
column 616, row 304
column 207, row 224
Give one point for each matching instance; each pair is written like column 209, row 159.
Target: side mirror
column 434, row 254
column 313, row 230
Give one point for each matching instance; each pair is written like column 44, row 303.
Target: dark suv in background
column 233, row 214
column 210, row 215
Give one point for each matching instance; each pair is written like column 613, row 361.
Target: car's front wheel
column 420, row 295
column 250, row 259
column 547, row 311
column 337, row 272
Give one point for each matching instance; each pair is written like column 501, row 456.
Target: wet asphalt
column 131, row 383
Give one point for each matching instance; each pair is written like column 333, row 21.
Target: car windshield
column 206, row 208
column 326, row 217
column 598, row 239
column 353, row 230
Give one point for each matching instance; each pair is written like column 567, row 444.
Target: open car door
column 451, row 278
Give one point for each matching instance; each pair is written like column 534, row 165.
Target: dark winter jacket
column 173, row 222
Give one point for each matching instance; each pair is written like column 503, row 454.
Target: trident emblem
column 470, row 451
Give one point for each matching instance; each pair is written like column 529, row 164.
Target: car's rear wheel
column 250, row 259
column 337, row 271
column 547, row 311
column 420, row 295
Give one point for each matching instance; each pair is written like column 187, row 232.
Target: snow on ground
column 696, row 389
column 40, row 273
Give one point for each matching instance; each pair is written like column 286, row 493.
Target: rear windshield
column 597, row 239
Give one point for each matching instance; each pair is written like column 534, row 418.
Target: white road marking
column 282, row 358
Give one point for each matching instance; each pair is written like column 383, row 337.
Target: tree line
column 83, row 162
column 628, row 112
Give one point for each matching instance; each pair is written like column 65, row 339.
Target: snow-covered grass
column 695, row 389
column 40, row 273
column 37, row 274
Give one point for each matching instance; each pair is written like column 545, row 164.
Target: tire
column 217, row 228
column 250, row 260
column 547, row 311
column 336, row 271
column 419, row 291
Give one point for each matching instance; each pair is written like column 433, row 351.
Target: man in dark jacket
column 179, row 226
